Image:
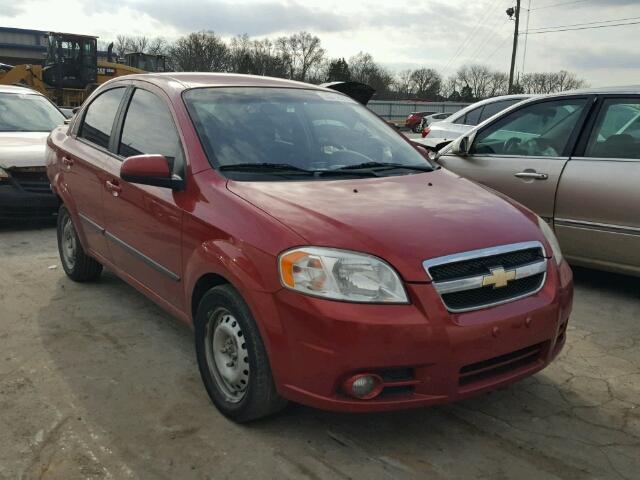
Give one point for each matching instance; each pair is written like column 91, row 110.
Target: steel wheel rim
column 227, row 355
column 69, row 244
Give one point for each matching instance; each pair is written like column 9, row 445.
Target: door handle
column 113, row 187
column 532, row 175
column 67, row 161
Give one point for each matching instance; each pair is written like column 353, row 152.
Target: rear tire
column 78, row 266
column 232, row 359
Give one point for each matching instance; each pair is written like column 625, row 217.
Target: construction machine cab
column 146, row 61
column 71, row 61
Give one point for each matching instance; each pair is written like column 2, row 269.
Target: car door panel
column 84, row 156
column 597, row 217
column 144, row 226
column 499, row 173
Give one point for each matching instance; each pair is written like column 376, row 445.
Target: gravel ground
column 96, row 381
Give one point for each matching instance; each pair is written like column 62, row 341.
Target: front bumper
column 426, row 354
column 18, row 204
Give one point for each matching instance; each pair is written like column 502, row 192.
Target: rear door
column 522, row 154
column 84, row 156
column 144, row 223
column 597, row 217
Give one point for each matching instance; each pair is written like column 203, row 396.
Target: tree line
column 300, row 56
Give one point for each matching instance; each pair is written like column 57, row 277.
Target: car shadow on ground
column 27, row 224
column 131, row 372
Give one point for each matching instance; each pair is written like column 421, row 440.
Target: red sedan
column 318, row 255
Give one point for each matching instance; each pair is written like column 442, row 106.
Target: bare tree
column 301, row 52
column 427, row 82
column 200, row 52
column 403, row 83
column 477, row 78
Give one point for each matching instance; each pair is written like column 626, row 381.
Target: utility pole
column 511, row 12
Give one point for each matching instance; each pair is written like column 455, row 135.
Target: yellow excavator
column 71, row 69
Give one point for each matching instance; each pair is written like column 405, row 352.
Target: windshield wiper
column 288, row 169
column 281, row 168
column 377, row 166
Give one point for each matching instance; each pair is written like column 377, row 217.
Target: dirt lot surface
column 98, row 382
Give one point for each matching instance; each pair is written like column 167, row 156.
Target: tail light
column 425, row 131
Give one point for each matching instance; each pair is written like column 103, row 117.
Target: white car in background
column 26, row 118
column 443, row 132
column 436, row 117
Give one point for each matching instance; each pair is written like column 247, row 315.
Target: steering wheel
column 511, row 144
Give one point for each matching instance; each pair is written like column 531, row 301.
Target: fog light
column 363, row 386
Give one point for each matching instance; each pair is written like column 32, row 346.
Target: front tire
column 78, row 266
column 232, row 359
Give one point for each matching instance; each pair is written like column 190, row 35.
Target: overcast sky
column 442, row 34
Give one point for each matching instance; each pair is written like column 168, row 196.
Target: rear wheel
column 78, row 266
column 232, row 358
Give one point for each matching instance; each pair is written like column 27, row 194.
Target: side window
column 473, row 117
column 149, row 128
column 541, row 129
column 492, row 108
column 616, row 133
column 98, row 121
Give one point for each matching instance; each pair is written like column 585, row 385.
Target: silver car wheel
column 227, row 355
column 69, row 245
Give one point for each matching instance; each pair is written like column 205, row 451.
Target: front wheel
column 78, row 266
column 232, row 359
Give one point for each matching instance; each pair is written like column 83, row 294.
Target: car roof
column 18, row 89
column 194, row 80
column 456, row 115
column 631, row 89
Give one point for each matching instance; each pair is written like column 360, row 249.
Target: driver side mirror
column 150, row 170
column 461, row 147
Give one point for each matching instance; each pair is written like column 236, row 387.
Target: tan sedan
column 574, row 159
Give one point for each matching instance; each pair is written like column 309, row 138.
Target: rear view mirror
column 150, row 170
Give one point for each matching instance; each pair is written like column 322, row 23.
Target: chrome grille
column 482, row 278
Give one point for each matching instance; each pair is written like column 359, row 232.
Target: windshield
column 23, row 112
column 247, row 129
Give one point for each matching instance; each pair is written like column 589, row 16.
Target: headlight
column 3, row 175
column 340, row 275
column 551, row 238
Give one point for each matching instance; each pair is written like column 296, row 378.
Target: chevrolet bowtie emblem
column 499, row 277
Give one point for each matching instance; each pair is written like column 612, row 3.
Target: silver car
column 574, row 159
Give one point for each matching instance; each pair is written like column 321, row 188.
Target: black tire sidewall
column 63, row 214
column 227, row 297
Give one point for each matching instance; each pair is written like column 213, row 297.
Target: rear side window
column 617, row 130
column 473, row 117
column 98, row 121
column 149, row 129
column 492, row 108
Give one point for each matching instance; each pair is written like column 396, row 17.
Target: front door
column 144, row 223
column 523, row 153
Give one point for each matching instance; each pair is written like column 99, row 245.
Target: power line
column 584, row 28
column 583, row 24
column 492, row 54
column 469, row 37
column 558, row 4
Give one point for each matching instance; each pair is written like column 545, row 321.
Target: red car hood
column 404, row 219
